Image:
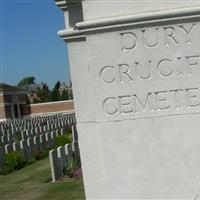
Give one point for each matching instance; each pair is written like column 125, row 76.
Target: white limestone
column 135, row 69
column 55, row 165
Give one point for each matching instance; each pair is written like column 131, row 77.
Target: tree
column 45, row 87
column 57, row 85
column 65, row 95
column 55, row 95
column 27, row 81
column 43, row 94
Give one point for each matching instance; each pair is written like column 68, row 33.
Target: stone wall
column 2, row 108
column 2, row 112
column 38, row 109
column 45, row 108
column 1, row 99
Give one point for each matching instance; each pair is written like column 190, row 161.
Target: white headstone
column 55, row 165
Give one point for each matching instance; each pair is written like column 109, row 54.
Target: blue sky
column 29, row 42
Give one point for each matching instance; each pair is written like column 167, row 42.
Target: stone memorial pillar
column 135, row 68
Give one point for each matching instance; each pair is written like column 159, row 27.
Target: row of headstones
column 61, row 157
column 46, row 122
column 42, row 139
column 21, row 122
column 30, row 146
column 38, row 128
column 32, row 122
column 9, row 138
column 31, row 119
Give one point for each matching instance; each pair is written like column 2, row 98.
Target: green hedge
column 61, row 140
column 13, row 161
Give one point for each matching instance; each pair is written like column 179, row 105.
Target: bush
column 68, row 131
column 71, row 168
column 41, row 154
column 13, row 161
column 61, row 140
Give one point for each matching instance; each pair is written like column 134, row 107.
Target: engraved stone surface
column 147, row 90
column 151, row 71
column 139, row 137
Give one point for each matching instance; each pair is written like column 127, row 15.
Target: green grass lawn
column 34, row 183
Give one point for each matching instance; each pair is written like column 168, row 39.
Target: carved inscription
column 144, row 70
column 152, row 101
column 153, row 37
column 180, row 64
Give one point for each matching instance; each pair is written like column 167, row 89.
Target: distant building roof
column 65, row 85
column 9, row 88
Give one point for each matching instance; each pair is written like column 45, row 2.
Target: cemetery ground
column 34, row 183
